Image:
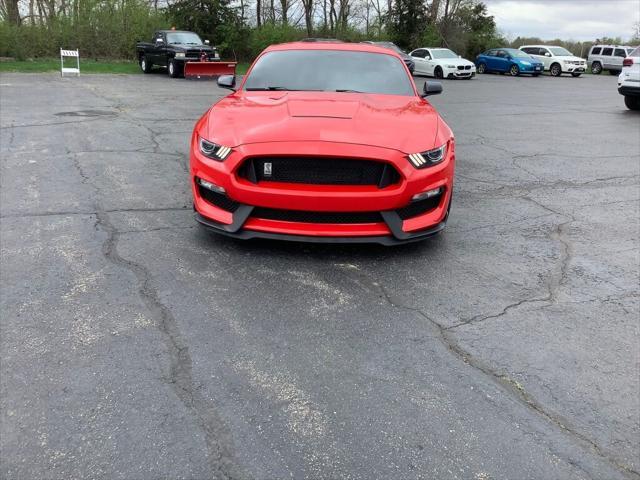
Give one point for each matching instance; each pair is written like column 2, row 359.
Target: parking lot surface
column 136, row 345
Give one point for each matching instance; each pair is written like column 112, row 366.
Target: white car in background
column 629, row 80
column 441, row 63
column 557, row 60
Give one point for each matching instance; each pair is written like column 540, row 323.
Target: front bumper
column 249, row 198
column 574, row 68
column 456, row 73
column 533, row 68
column 629, row 91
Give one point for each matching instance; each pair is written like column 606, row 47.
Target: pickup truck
column 171, row 49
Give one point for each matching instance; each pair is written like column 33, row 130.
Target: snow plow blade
column 205, row 70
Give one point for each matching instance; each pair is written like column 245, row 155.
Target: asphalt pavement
column 136, row 345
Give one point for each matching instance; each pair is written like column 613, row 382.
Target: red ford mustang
column 324, row 142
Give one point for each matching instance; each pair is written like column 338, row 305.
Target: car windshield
column 330, row 71
column 444, row 53
column 185, row 38
column 634, row 53
column 517, row 53
column 560, row 52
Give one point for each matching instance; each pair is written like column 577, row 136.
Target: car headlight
column 524, row 62
column 180, row 55
column 428, row 158
column 213, row 150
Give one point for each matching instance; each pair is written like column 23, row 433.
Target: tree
column 407, row 21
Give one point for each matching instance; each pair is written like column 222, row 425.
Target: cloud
column 567, row 19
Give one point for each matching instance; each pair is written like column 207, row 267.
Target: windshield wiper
column 268, row 88
column 347, row 90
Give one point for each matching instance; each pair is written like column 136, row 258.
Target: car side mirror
column 227, row 81
column 547, row 54
column 159, row 41
column 431, row 88
column 206, row 42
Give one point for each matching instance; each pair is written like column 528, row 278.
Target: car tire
column 576, row 74
column 173, row 69
column 596, row 68
column 438, row 73
column 632, row 103
column 482, row 68
column 144, row 65
column 555, row 70
column 514, row 71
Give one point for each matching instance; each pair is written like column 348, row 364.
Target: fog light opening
column 210, row 186
column 427, row 194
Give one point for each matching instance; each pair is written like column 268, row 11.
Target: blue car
column 508, row 60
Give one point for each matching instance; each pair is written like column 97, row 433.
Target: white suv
column 608, row 57
column 557, row 60
column 629, row 80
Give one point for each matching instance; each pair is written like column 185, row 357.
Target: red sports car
column 324, row 142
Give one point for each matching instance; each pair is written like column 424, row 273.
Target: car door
column 619, row 54
column 418, row 57
column 607, row 55
column 155, row 48
column 501, row 61
column 545, row 56
column 430, row 63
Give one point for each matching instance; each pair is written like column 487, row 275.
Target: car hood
column 405, row 123
column 569, row 57
column 531, row 60
column 453, row 61
column 181, row 47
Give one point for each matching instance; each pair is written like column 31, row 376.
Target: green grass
column 53, row 65
column 86, row 66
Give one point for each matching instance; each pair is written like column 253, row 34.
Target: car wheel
column 438, row 72
column 632, row 103
column 596, row 68
column 575, row 74
column 482, row 68
column 514, row 71
column 556, row 70
column 144, row 65
column 174, row 70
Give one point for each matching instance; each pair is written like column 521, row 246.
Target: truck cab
column 170, row 49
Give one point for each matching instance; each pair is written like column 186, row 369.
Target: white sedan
column 441, row 63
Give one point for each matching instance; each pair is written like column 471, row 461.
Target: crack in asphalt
column 510, row 386
column 217, row 436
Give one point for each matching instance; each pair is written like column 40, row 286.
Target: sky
column 582, row 20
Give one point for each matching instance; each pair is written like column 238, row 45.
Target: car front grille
column 464, row 67
column 316, row 217
column 319, row 171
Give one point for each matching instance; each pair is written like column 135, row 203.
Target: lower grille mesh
column 219, row 200
column 418, row 208
column 316, row 217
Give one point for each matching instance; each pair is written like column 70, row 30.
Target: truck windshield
column 185, row 38
column 330, row 71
